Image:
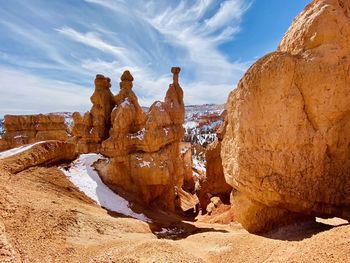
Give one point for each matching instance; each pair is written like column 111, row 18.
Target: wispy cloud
column 60, row 54
column 92, row 39
column 38, row 94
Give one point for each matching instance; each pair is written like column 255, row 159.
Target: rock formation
column 93, row 127
column 186, row 156
column 3, row 145
column 214, row 183
column 145, row 148
column 40, row 153
column 24, row 129
column 286, row 149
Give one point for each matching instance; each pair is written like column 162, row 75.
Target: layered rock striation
column 286, row 149
column 26, row 129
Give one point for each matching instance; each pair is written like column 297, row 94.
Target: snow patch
column 145, row 164
column 200, row 166
column 140, row 135
column 159, row 105
column 125, row 103
column 20, row 136
column 83, row 175
column 169, row 232
column 166, row 130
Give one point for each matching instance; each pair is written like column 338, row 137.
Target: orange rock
column 24, row 129
column 91, row 129
column 40, row 153
column 214, row 183
column 188, row 182
column 3, row 145
column 144, row 148
column 286, row 149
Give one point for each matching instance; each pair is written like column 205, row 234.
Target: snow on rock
column 139, row 135
column 166, row 130
column 199, row 165
column 83, row 175
column 144, row 164
column 125, row 103
column 17, row 150
column 159, row 105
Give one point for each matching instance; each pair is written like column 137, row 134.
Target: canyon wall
column 286, row 150
column 25, row 129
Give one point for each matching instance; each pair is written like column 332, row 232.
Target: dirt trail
column 44, row 218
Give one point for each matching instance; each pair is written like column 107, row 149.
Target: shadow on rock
column 179, row 230
column 300, row 231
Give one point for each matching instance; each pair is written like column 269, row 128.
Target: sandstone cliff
column 286, row 149
column 25, row 129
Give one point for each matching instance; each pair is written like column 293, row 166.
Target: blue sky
column 50, row 51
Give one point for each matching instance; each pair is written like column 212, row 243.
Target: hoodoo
column 145, row 148
column 91, row 129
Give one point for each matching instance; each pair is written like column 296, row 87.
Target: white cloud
column 228, row 11
column 92, row 39
column 26, row 93
column 145, row 37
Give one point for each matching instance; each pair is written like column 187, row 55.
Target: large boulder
column 286, row 150
column 145, row 148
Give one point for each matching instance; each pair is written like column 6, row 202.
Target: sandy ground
column 44, row 218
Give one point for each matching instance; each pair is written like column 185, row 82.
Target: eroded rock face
column 93, row 127
column 25, row 129
column 186, row 156
column 214, row 183
column 3, row 145
column 144, row 148
column 40, row 153
column 286, row 149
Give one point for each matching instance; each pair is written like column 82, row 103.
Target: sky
column 50, row 51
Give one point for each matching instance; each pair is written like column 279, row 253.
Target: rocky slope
column 286, row 150
column 58, row 223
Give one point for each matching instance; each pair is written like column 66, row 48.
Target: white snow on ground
column 17, row 150
column 83, row 175
column 169, row 231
